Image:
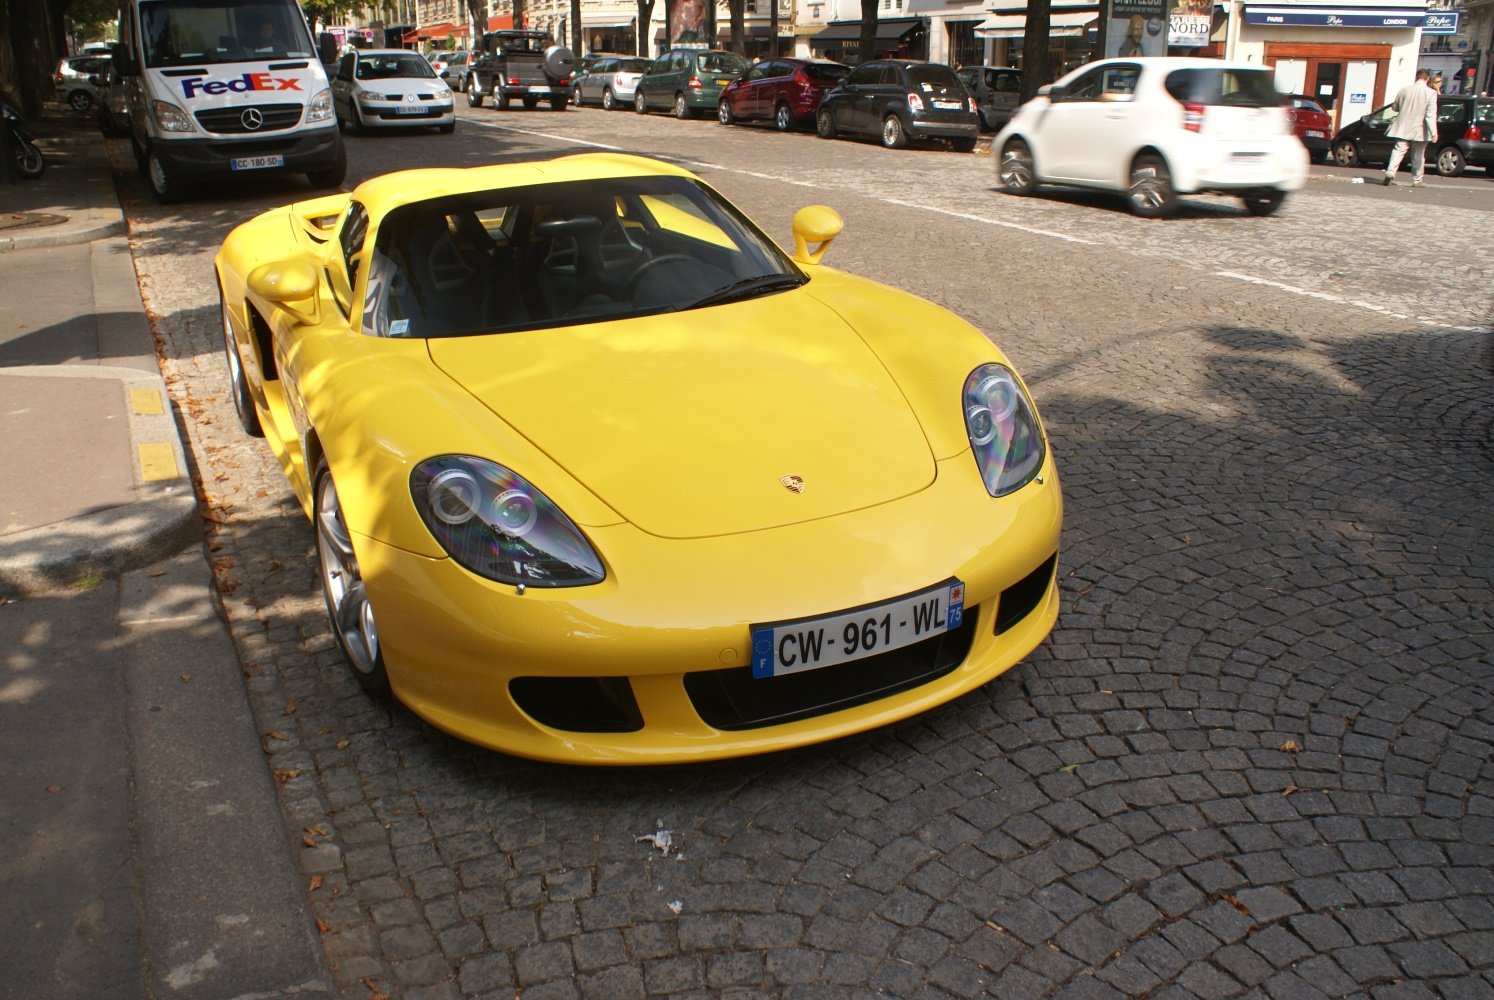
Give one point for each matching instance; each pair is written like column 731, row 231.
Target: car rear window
column 1305, row 104
column 937, row 80
column 720, row 62
column 825, row 72
column 632, row 65
column 1236, row 88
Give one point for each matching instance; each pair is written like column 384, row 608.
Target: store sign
column 1334, row 17
column 1441, row 22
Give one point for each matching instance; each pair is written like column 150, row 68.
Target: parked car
column 377, row 88
column 602, row 581
column 114, row 105
column 787, row 91
column 610, row 81
column 687, row 80
column 442, row 62
column 901, row 101
column 997, row 91
column 459, row 70
column 1312, row 124
column 1153, row 128
column 74, row 80
column 1465, row 136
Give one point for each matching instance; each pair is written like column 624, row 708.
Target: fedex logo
column 249, row 81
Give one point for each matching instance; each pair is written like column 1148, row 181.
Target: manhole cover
column 29, row 220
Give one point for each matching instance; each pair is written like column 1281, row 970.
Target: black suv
column 1465, row 136
column 901, row 101
column 523, row 64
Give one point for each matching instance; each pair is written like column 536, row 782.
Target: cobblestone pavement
column 1256, row 757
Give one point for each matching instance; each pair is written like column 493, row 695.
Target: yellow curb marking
column 157, row 462
column 146, row 402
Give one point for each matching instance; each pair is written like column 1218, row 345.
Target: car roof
column 386, row 52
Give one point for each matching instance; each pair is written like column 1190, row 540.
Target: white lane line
column 1357, row 303
column 546, row 135
column 993, row 222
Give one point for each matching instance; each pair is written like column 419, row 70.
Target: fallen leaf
column 281, row 777
column 186, row 678
column 290, row 706
column 316, row 831
column 1233, row 901
column 159, row 572
column 275, row 734
column 1288, row 790
column 374, row 993
column 342, row 744
column 1069, row 768
column 322, row 925
column 1290, row 746
column 54, row 789
column 316, row 882
column 308, row 841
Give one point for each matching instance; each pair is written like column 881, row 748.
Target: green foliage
column 331, row 11
column 93, row 20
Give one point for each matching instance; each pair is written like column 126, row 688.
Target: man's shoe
column 1387, row 181
column 1418, row 184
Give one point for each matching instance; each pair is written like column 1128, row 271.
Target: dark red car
column 788, row 91
column 1312, row 125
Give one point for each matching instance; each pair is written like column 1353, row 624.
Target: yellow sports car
column 600, row 474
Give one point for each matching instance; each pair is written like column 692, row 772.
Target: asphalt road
column 1256, row 757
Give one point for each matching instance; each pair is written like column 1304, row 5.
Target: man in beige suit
column 1415, row 125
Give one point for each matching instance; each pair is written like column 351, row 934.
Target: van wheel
column 1015, row 169
column 783, row 118
column 333, row 175
column 893, row 136
column 1151, row 194
column 166, row 188
column 824, row 124
column 681, row 107
column 1450, row 161
column 1263, row 202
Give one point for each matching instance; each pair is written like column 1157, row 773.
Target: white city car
column 1155, row 128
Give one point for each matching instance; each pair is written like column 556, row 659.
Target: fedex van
column 225, row 88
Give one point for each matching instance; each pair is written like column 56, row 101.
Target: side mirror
column 122, row 61
column 326, row 47
column 290, row 284
column 1052, row 91
column 815, row 224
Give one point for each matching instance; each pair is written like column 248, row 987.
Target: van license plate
column 809, row 643
column 256, row 162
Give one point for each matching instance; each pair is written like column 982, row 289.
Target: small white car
column 610, row 82
column 1155, row 128
column 375, row 88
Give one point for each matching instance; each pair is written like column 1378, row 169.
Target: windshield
column 563, row 254
column 205, row 32
column 390, row 65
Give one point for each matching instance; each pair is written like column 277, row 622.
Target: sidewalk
column 141, row 843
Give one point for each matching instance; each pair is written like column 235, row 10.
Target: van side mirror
column 122, row 61
column 326, row 46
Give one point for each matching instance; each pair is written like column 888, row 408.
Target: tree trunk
column 867, row 48
column 1036, row 66
column 737, row 11
column 641, row 39
column 576, row 38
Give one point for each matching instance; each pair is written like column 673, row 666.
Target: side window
column 864, row 75
column 1452, row 112
column 1007, row 83
column 345, row 68
column 758, row 72
column 1120, row 82
column 351, row 237
column 1086, row 87
column 888, row 77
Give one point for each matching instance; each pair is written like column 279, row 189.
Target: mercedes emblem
column 252, row 119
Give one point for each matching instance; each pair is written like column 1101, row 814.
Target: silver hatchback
column 610, row 82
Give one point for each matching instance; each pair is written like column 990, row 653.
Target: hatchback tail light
column 1193, row 116
column 693, row 83
column 970, row 103
column 915, row 103
column 1473, row 134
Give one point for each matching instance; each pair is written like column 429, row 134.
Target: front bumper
column 673, row 613
column 195, row 157
column 381, row 113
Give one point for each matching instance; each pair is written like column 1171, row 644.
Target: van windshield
column 205, row 32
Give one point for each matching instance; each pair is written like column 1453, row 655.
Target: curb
column 64, row 234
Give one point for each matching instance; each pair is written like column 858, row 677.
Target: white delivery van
column 225, row 88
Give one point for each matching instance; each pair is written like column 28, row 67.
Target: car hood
column 714, row 421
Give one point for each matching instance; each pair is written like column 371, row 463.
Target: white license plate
column 947, row 105
column 409, row 109
column 1316, row 135
column 256, row 162
column 809, row 643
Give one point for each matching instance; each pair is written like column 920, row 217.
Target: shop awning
column 1328, row 16
column 607, row 24
column 501, row 22
column 431, row 31
column 849, row 31
column 1061, row 24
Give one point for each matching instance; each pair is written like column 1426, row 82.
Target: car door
column 846, row 104
column 1374, row 144
column 1081, row 136
column 653, row 83
column 747, row 94
column 777, row 79
column 342, row 86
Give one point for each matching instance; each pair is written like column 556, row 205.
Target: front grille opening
column 732, row 699
column 579, row 704
column 1019, row 600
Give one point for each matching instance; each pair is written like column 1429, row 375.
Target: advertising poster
column 689, row 23
column 1189, row 21
column 1137, row 28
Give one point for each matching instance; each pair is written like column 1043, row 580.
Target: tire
column 1151, row 195
column 348, row 609
column 501, row 102
column 609, row 99
column 1015, row 169
column 723, row 113
column 165, row 188
column 640, row 104
column 355, row 119
column 576, row 95
column 80, row 100
column 474, row 97
column 783, row 118
column 1264, row 202
column 1450, row 161
column 893, row 135
column 962, row 145
column 448, row 128
column 682, row 107
column 30, row 164
column 558, row 103
column 1346, row 154
column 824, row 124
column 530, row 102
column 238, row 379
column 333, row 175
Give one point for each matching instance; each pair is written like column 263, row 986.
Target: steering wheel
column 654, row 263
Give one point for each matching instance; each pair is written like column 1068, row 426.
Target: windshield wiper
column 748, row 287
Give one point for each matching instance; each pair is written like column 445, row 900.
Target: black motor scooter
column 17, row 145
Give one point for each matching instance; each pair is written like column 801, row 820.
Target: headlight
column 170, row 118
column 491, row 521
column 321, row 107
column 1003, row 429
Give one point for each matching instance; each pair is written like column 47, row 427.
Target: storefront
column 1351, row 57
column 607, row 35
column 1071, row 35
column 897, row 38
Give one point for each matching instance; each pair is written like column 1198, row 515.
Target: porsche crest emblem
column 794, row 484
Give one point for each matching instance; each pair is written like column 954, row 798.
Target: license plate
column 947, row 105
column 1316, row 135
column 256, row 162
column 409, row 109
column 809, row 643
